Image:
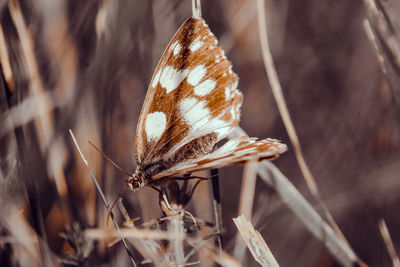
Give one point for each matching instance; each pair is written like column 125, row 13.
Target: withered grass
column 85, row 66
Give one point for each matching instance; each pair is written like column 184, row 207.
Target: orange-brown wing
column 192, row 95
column 235, row 151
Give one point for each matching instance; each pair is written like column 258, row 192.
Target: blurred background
column 86, row 65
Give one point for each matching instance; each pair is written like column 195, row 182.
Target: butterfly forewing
column 192, row 101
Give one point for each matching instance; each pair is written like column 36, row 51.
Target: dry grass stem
column 283, row 110
column 133, row 233
column 248, row 188
column 5, row 61
column 307, row 214
column 196, row 8
column 280, row 99
column 44, row 123
column 383, row 29
column 246, row 201
column 92, row 175
column 303, row 210
column 87, row 65
column 389, row 244
column 26, row 111
column 255, row 243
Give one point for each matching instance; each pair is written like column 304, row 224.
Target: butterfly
column 191, row 104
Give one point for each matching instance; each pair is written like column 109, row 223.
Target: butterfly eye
column 133, row 183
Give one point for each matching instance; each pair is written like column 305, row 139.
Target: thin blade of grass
column 246, row 201
column 383, row 29
column 217, row 207
column 304, row 211
column 283, row 110
column 280, row 99
column 92, row 175
column 389, row 244
column 5, row 61
column 254, row 241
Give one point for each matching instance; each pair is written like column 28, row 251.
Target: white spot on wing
column 235, row 85
column 155, row 79
column 196, row 44
column 227, row 93
column 171, row 78
column 233, row 112
column 177, row 49
column 205, row 87
column 155, row 125
column 217, row 60
column 196, row 74
column 194, row 112
column 222, row 132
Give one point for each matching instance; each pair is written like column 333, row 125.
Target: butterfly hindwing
column 192, row 101
column 235, row 151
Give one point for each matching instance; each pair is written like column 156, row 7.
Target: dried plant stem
column 248, row 188
column 246, row 201
column 5, row 61
column 196, row 8
column 254, row 241
column 43, row 123
column 278, row 95
column 28, row 241
column 389, row 244
column 132, row 233
column 42, row 105
column 217, row 207
column 304, row 211
column 280, row 99
column 92, row 175
column 175, row 227
column 383, row 29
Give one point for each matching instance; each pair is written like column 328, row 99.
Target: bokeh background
column 86, row 65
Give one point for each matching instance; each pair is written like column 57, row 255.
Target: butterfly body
column 191, row 104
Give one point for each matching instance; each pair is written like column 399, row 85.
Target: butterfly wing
column 235, row 151
column 192, row 101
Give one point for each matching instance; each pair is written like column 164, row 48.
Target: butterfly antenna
column 109, row 160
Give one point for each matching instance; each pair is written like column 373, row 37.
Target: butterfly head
column 135, row 182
